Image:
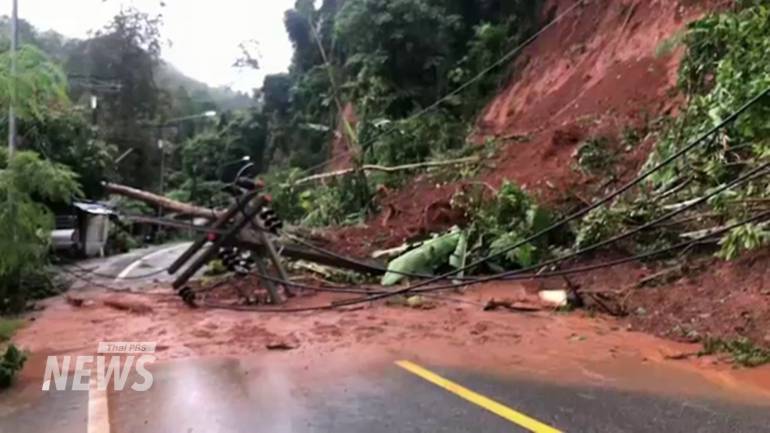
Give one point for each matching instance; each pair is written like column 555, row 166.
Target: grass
column 8, row 328
column 742, row 351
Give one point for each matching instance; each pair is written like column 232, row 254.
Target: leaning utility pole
column 11, row 108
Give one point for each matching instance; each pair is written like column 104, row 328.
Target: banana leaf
column 422, row 260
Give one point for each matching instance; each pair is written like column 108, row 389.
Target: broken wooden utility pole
column 162, row 202
column 242, row 213
column 247, row 224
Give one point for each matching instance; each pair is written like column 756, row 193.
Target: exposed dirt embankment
column 596, row 73
column 601, row 72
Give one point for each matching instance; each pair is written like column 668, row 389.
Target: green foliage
column 390, row 59
column 37, row 85
column 594, row 156
column 207, row 162
column 598, row 225
column 8, row 327
column 742, row 351
column 605, row 222
column 415, row 139
column 127, row 51
column 215, row 268
column 503, row 221
column 424, row 259
column 66, row 137
column 724, row 67
column 745, row 238
column 26, row 223
column 342, row 201
column 11, row 363
column 395, row 32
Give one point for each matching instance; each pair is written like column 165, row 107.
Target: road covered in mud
column 445, row 366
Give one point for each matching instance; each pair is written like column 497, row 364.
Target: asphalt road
column 263, row 395
column 234, row 395
column 126, row 270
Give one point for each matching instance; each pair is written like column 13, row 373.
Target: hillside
column 606, row 72
column 595, row 73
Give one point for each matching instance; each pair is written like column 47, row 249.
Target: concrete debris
column 555, row 298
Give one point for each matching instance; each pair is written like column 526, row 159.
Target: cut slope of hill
column 605, row 72
column 599, row 73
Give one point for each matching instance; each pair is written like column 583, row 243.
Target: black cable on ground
column 757, row 172
column 581, row 213
column 574, row 216
column 520, row 274
column 663, row 251
column 114, row 277
column 638, row 257
column 508, row 275
column 92, row 283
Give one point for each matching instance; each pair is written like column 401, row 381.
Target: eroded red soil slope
column 596, row 73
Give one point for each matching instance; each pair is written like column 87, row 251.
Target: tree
column 26, row 180
column 66, row 137
column 127, row 53
column 403, row 45
column 38, row 84
column 27, row 223
column 48, row 124
column 212, row 158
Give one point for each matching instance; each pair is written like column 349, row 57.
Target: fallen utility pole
column 241, row 227
column 162, row 202
column 244, row 215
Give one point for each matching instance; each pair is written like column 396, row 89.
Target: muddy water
column 569, row 349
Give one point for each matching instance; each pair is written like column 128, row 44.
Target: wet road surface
column 266, row 394
column 240, row 395
column 146, row 265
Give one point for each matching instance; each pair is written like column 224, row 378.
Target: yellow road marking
column 497, row 408
column 98, row 408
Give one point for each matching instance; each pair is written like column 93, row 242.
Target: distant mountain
column 167, row 76
column 170, row 78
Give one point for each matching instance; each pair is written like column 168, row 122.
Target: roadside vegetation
column 723, row 68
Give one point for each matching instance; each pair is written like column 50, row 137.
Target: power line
column 579, row 270
column 574, row 216
column 502, row 60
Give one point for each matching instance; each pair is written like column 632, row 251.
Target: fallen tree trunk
column 384, row 169
column 162, row 202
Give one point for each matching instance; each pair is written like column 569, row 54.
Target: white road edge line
column 130, row 268
column 98, row 408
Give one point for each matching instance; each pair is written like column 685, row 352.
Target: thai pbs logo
column 113, row 365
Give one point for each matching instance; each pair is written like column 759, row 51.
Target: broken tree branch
column 385, row 169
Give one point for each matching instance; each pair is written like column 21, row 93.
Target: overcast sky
column 205, row 34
